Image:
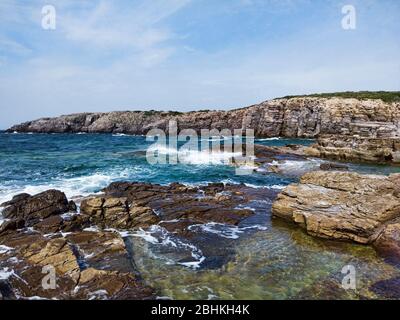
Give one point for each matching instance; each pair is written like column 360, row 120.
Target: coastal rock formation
column 96, row 262
column 36, row 207
column 142, row 204
column 348, row 129
column 357, row 149
column 291, row 117
column 342, row 205
column 87, row 265
column 118, row 213
column 41, row 211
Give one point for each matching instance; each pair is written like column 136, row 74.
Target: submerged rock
column 388, row 243
column 333, row 167
column 341, row 205
column 390, row 288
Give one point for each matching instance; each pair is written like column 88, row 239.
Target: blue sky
column 188, row 54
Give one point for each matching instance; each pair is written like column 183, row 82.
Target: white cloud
column 111, row 27
column 140, row 61
column 12, row 47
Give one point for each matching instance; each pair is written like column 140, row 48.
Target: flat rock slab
column 341, row 205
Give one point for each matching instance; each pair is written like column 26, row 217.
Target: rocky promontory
column 347, row 129
column 306, row 117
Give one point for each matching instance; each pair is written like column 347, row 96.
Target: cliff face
column 292, row 117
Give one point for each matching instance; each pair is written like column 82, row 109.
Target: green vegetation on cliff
column 386, row 96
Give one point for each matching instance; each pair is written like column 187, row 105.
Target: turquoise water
column 262, row 258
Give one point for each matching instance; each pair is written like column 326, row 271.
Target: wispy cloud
column 181, row 54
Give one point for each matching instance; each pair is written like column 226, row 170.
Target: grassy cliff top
column 386, row 96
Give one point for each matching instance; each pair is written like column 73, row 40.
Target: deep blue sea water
column 79, row 164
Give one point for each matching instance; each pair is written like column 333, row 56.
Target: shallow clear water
column 262, row 258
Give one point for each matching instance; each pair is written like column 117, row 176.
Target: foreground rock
column 42, row 211
column 133, row 205
column 43, row 233
column 87, row 265
column 345, row 206
column 33, row 208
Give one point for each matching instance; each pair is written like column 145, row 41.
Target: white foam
column 4, row 249
column 146, row 235
column 91, row 229
column 72, row 187
column 6, row 273
column 197, row 157
column 36, row 298
column 99, row 294
column 297, row 167
column 120, row 135
column 223, row 230
column 278, row 186
column 157, row 235
column 268, row 139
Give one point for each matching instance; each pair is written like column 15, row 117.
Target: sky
column 188, row 54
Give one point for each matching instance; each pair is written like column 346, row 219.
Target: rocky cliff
column 288, row 117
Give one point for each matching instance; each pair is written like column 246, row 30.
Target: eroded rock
column 34, row 208
column 355, row 148
column 341, row 205
column 88, row 265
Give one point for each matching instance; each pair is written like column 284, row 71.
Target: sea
column 264, row 258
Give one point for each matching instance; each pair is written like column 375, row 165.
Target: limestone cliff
column 290, row 117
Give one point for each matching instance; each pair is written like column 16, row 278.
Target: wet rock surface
column 345, row 206
column 34, row 208
column 142, row 205
column 388, row 243
column 96, row 262
column 31, row 257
